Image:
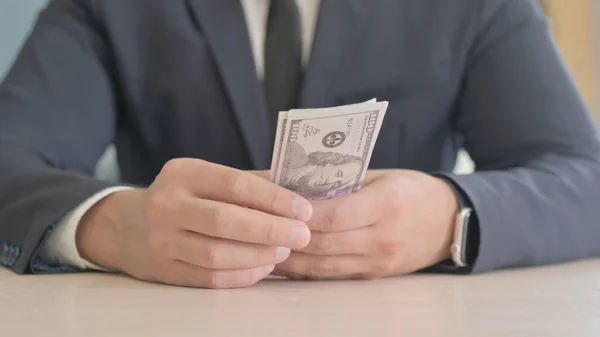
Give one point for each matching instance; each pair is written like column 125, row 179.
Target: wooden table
column 559, row 300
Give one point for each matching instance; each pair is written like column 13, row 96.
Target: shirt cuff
column 60, row 248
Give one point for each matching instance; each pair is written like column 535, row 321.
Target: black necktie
column 283, row 57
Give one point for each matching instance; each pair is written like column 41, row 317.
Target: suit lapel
column 339, row 28
column 224, row 25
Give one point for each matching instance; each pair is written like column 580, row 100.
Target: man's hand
column 400, row 222
column 199, row 225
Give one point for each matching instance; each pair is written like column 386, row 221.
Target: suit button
column 4, row 253
column 12, row 255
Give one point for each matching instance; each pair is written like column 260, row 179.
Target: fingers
column 187, row 275
column 261, row 174
column 213, row 253
column 232, row 222
column 347, row 212
column 300, row 277
column 220, row 183
column 324, row 267
column 362, row 241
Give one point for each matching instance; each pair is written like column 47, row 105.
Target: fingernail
column 302, row 209
column 301, row 235
column 282, row 254
column 269, row 269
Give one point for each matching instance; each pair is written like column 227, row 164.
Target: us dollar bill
column 323, row 153
column 279, row 136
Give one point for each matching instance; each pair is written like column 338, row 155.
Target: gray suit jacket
column 165, row 79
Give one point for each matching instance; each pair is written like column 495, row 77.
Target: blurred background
column 575, row 24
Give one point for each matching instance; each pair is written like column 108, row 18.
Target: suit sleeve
column 536, row 189
column 57, row 116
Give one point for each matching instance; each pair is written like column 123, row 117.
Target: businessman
column 188, row 91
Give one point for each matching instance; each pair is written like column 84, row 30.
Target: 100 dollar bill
column 323, row 153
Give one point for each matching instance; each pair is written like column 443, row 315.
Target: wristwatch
column 459, row 246
column 465, row 244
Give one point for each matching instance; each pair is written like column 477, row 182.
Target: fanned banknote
column 323, row 153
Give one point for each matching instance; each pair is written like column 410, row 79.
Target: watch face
column 460, row 244
column 466, row 220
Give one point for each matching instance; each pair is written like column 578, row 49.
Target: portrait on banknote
column 324, row 153
column 316, row 173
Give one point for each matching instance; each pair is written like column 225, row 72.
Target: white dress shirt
column 61, row 247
